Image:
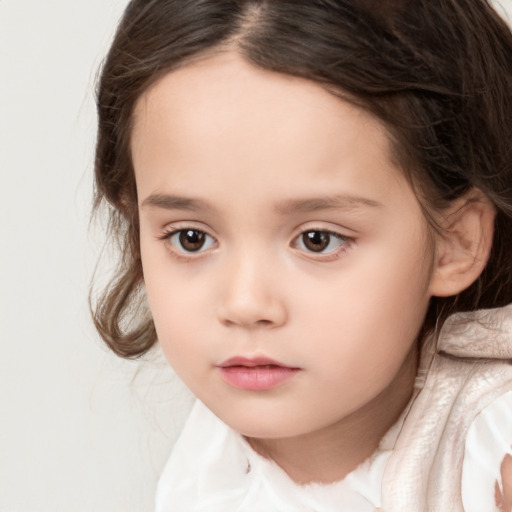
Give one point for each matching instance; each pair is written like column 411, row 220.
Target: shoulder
column 487, row 466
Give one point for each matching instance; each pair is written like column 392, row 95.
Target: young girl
column 315, row 197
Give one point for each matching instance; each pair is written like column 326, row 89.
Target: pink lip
column 255, row 374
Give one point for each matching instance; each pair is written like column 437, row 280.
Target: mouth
column 255, row 374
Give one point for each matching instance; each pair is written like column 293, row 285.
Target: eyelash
column 345, row 243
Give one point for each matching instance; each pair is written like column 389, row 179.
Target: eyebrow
column 171, row 202
column 338, row 202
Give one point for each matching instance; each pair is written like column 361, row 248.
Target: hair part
column 436, row 73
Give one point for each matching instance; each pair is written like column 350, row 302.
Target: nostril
column 264, row 323
column 258, row 323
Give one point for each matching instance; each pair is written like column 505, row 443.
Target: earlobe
column 463, row 245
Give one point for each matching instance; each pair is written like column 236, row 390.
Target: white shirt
column 212, row 468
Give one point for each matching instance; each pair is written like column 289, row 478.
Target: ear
column 463, row 245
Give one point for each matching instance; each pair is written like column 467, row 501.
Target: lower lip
column 257, row 378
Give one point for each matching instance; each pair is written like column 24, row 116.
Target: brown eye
column 188, row 241
column 316, row 241
column 192, row 240
column 321, row 242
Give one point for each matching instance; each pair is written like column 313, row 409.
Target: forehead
column 222, row 120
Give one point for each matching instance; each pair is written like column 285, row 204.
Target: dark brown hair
column 437, row 73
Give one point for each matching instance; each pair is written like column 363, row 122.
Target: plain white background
column 80, row 430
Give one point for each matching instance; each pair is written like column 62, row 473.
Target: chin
column 263, row 426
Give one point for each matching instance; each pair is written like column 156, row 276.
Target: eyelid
column 182, row 225
column 327, row 226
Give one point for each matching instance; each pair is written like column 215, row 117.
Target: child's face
column 275, row 225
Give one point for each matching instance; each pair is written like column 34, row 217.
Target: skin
column 504, row 499
column 247, row 145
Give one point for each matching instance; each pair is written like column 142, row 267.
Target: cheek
column 180, row 305
column 180, row 331
column 163, row 292
column 373, row 310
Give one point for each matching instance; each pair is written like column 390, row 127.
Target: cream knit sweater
column 470, row 367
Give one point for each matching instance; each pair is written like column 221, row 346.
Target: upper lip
column 250, row 362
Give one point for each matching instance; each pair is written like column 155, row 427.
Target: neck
column 328, row 455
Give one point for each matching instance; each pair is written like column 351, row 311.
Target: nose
column 251, row 295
